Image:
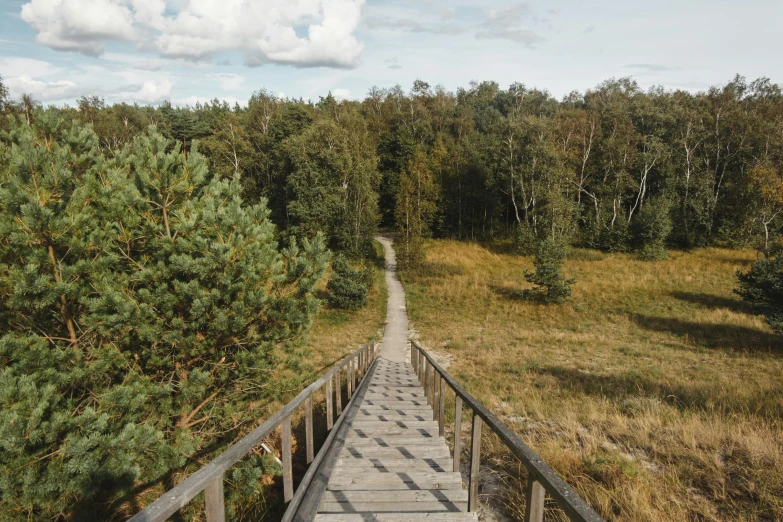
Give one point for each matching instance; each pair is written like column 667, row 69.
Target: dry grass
column 337, row 333
column 654, row 391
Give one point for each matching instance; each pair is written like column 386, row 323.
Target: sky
column 188, row 51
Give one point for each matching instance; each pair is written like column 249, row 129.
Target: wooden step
column 394, row 464
column 393, row 507
column 369, row 432
column 442, row 496
column 396, row 517
column 435, row 451
column 400, row 480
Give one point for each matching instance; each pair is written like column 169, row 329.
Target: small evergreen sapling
column 651, row 229
column 762, row 286
column 550, row 285
column 348, row 287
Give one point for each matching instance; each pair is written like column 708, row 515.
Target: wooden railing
column 209, row 478
column 541, row 478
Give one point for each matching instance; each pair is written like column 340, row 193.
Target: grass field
column 337, row 333
column 654, row 391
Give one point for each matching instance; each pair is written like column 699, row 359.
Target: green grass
column 655, row 391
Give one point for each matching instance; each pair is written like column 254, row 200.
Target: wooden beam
column 475, row 456
column 288, row 478
column 457, row 434
column 214, row 502
column 309, row 428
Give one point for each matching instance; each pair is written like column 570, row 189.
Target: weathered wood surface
column 393, row 464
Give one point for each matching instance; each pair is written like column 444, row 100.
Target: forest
column 159, row 265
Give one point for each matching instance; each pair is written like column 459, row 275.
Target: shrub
column 651, row 228
column 550, row 285
column 348, row 287
column 762, row 286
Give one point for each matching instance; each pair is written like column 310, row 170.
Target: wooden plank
column 402, row 480
column 352, row 453
column 422, row 495
column 535, row 497
column 393, row 465
column 393, row 442
column 214, row 502
column 395, row 517
column 384, row 431
column 442, row 408
column 329, row 406
column 339, row 394
column 309, row 429
column 392, row 416
column 475, row 455
column 457, row 433
column 288, row 476
column 391, row 507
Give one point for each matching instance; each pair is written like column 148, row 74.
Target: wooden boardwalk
column 390, row 463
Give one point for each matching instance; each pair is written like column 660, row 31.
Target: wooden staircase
column 394, row 464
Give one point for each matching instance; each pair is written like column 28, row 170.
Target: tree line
column 615, row 168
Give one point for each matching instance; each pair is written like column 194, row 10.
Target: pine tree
column 348, row 287
column 762, row 286
column 550, row 285
column 143, row 311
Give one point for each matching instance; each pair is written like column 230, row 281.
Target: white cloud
column 341, row 94
column 229, row 81
column 150, row 92
column 266, row 31
column 512, row 23
column 17, row 66
column 41, row 90
column 79, row 25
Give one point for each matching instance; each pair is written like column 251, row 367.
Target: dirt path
column 395, row 335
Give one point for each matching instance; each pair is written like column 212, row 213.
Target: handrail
column 209, row 478
column 541, row 478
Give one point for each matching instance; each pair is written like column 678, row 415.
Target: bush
column 348, row 287
column 762, row 286
column 551, row 286
column 651, row 228
column 616, row 237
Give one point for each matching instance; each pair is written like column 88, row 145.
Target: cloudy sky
column 184, row 51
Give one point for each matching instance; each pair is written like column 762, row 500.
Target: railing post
column 427, row 382
column 434, row 385
column 442, row 414
column 309, row 428
column 329, row 413
column 354, row 365
column 436, row 397
column 535, row 496
column 288, row 479
column 457, row 432
column 413, row 358
column 338, row 391
column 214, row 502
column 348, row 378
column 475, row 456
